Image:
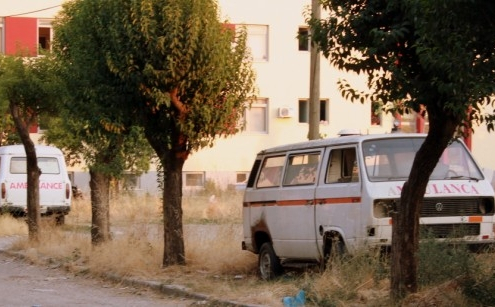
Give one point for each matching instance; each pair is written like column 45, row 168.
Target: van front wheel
column 269, row 264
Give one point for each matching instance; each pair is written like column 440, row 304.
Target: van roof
column 19, row 150
column 347, row 139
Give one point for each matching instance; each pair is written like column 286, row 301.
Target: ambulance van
column 304, row 201
column 54, row 186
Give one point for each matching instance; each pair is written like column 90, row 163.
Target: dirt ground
column 24, row 284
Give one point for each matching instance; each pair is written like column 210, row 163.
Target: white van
column 55, row 186
column 305, row 200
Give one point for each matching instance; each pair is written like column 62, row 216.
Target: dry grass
column 216, row 265
column 12, row 227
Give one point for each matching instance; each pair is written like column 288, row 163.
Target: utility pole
column 314, row 79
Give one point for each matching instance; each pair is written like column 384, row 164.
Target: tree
column 92, row 126
column 187, row 74
column 436, row 54
column 31, row 87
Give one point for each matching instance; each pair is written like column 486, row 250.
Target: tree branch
column 178, row 104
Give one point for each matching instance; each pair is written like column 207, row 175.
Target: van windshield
column 391, row 159
column 47, row 165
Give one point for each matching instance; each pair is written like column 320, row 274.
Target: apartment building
column 281, row 113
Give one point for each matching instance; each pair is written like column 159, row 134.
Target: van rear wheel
column 268, row 263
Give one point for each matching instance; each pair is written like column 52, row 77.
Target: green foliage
column 30, row 82
column 95, row 126
column 433, row 53
column 441, row 262
column 153, row 47
column 480, row 288
column 33, row 85
column 444, row 261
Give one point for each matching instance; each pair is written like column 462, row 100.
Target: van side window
column 301, row 169
column 342, row 166
column 47, row 165
column 271, row 172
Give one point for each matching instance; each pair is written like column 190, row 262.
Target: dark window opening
column 303, row 39
column 44, row 38
column 304, row 111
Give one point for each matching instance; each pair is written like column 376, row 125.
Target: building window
column 45, row 34
column 241, row 177
column 303, row 38
column 257, row 41
column 130, row 182
column 304, row 111
column 195, row 179
column 256, row 117
column 44, row 38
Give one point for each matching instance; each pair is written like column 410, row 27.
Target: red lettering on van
column 43, row 185
column 51, row 185
column 18, row 185
column 452, row 188
column 441, row 189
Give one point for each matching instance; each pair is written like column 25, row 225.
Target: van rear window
column 47, row 165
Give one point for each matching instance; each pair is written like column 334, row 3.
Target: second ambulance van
column 55, row 186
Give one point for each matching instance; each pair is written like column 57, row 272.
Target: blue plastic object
column 295, row 301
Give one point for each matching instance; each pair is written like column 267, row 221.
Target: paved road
column 25, row 285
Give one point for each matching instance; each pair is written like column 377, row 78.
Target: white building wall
column 483, row 143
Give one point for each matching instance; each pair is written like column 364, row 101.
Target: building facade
column 280, row 115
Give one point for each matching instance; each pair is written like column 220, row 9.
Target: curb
column 175, row 290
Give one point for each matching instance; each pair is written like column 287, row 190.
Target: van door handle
column 310, row 202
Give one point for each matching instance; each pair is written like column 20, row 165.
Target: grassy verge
column 217, row 266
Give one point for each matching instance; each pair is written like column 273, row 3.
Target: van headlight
column 485, row 206
column 383, row 208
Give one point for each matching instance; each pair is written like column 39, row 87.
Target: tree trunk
column 33, row 174
column 173, row 238
column 33, row 192
column 100, row 208
column 172, row 150
column 405, row 227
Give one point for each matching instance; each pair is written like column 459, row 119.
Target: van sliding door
column 294, row 233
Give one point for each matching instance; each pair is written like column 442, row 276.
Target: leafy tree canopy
column 438, row 54
column 162, row 51
column 33, row 86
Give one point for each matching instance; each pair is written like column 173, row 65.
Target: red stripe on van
column 304, row 202
column 294, row 202
column 339, row 200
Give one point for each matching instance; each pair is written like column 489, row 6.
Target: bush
column 443, row 261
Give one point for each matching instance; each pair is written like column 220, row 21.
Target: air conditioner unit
column 285, row 112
